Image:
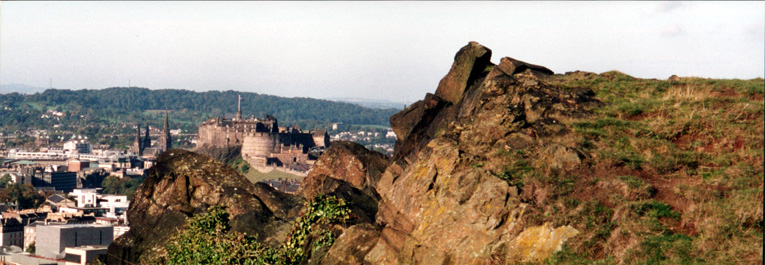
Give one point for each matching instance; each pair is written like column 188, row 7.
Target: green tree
column 5, row 180
column 24, row 194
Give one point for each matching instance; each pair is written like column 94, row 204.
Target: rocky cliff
column 446, row 197
column 184, row 184
column 510, row 163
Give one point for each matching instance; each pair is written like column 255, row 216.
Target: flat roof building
column 81, row 255
column 53, row 239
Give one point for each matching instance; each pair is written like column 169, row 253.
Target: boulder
column 470, row 62
column 345, row 161
column 512, row 66
column 348, row 171
column 183, row 184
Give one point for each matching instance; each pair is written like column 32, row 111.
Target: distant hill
column 20, row 88
column 371, row 103
column 189, row 108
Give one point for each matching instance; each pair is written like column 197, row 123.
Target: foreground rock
column 183, row 184
column 447, row 196
column 442, row 201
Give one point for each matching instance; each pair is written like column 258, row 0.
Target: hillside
column 103, row 112
column 505, row 163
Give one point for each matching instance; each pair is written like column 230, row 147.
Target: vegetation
column 208, row 238
column 189, row 109
column 240, row 165
column 25, row 195
column 5, row 180
column 674, row 172
column 124, row 186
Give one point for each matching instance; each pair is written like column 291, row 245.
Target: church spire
column 137, row 145
column 165, row 141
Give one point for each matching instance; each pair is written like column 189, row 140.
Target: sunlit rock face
column 442, row 200
column 443, row 197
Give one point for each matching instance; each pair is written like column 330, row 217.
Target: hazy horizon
column 395, row 51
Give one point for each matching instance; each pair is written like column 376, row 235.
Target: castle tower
column 164, row 140
column 239, row 109
column 137, row 144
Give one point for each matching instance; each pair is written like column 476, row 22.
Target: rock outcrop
column 349, row 171
column 447, row 196
column 442, row 200
column 183, row 184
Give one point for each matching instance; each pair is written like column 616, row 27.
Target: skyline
column 395, row 51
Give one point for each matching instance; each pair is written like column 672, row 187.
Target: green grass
column 257, row 176
column 702, row 139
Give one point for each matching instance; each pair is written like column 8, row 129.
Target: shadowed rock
column 351, row 172
column 469, row 63
column 184, row 184
column 512, row 66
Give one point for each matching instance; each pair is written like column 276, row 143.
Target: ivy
column 207, row 238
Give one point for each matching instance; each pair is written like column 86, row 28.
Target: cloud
column 673, row 31
column 755, row 30
column 668, row 6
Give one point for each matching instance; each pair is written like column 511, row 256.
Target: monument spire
column 239, row 109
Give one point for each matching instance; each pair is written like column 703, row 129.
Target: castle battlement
column 262, row 141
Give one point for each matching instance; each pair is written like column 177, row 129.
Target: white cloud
column 673, row 31
column 668, row 6
column 755, row 30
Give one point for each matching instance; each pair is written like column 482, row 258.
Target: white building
column 78, row 146
column 116, row 205
column 85, row 197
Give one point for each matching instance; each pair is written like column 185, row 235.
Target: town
column 65, row 197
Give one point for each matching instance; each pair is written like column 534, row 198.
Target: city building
column 112, row 206
column 11, row 232
column 53, row 239
column 81, row 255
column 78, row 147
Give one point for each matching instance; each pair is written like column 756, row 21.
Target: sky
column 395, row 51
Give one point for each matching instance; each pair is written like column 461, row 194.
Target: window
column 72, row 258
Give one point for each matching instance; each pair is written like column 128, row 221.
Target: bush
column 207, row 238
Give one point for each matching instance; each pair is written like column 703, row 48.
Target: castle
column 143, row 146
column 263, row 143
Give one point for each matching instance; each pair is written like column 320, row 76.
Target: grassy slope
column 674, row 175
column 257, row 176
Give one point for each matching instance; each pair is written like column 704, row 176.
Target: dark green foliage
column 124, row 186
column 654, row 209
column 207, row 238
column 24, row 194
column 656, row 249
column 189, row 108
column 5, row 180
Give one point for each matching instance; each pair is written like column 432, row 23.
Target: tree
column 24, row 194
column 5, row 180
